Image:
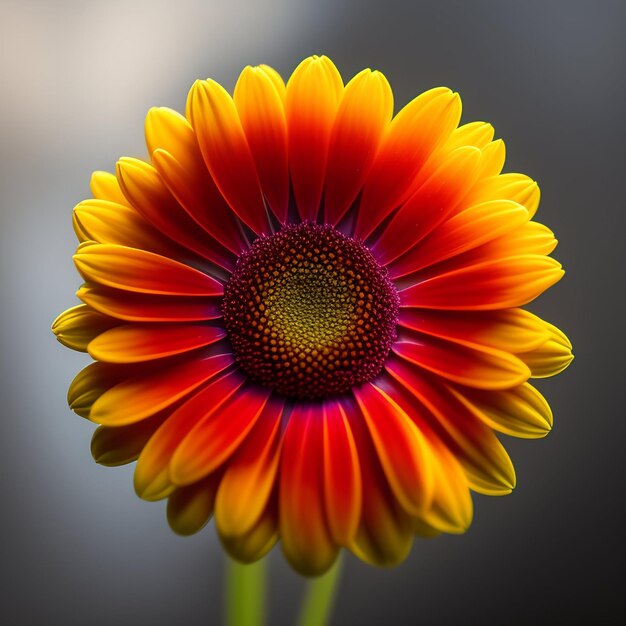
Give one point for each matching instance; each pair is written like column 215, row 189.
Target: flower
column 305, row 315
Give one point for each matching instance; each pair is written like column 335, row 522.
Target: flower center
column 309, row 312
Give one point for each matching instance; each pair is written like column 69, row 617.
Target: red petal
column 364, row 113
column 145, row 395
column 143, row 272
column 313, row 94
column 305, row 536
column 226, row 152
column 473, row 365
column 136, row 342
column 217, row 435
column 342, row 475
column 139, row 307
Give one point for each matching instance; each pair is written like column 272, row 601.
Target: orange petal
column 146, row 394
column 251, row 475
column 430, row 205
column 411, row 137
column 313, row 95
column 342, row 475
column 472, row 365
column 519, row 412
column 510, row 330
column 306, row 539
column 152, row 477
column 516, row 187
column 149, row 195
column 402, row 449
column 217, row 435
column 90, row 383
column 226, row 152
column 143, row 272
column 190, row 508
column 104, row 186
column 384, row 535
column 364, row 113
column 108, row 222
column 135, row 342
column 262, row 113
column 256, row 542
column 497, row 284
column 487, row 465
column 118, row 445
column 139, row 307
column 77, row 326
column 176, row 155
column 464, row 231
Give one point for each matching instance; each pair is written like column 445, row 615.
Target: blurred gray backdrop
column 76, row 79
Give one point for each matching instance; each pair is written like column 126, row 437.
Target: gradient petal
column 499, row 284
column 152, row 476
column 143, row 272
column 77, row 326
column 260, row 105
column 413, row 134
column 190, row 508
column 132, row 343
column 250, row 477
column 342, row 475
column 364, row 112
column 313, row 95
column 226, row 152
column 305, row 536
column 146, row 394
column 105, row 186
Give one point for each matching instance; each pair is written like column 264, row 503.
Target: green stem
column 320, row 597
column 245, row 594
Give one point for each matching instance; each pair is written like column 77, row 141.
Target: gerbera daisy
column 305, row 315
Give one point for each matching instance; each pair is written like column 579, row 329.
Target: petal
column 89, row 384
column 132, row 343
column 152, row 476
column 176, row 155
column 492, row 159
column 531, row 238
column 119, row 445
column 262, row 113
column 306, row 539
column 217, row 435
column 519, row 412
column 487, row 466
column 256, row 542
column 146, row 394
column 477, row 134
column 143, row 272
column 384, row 535
column 313, row 94
column 472, row 365
column 364, row 113
column 451, row 507
column 104, row 186
column 516, row 187
column 402, row 449
column 495, row 284
column 108, row 222
column 139, row 307
column 550, row 358
column 510, row 330
column 148, row 194
column 250, row 477
column 226, row 152
column 430, row 205
column 342, row 475
column 190, row 508
column 77, row 326
column 464, row 231
column 413, row 134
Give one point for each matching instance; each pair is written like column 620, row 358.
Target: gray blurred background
column 76, row 79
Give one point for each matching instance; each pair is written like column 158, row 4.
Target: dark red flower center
column 309, row 312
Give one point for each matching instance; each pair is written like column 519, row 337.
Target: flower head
column 305, row 315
